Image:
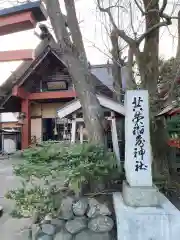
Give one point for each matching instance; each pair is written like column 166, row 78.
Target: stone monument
column 137, row 137
column 138, row 190
column 142, row 212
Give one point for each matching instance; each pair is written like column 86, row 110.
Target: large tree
column 144, row 46
column 71, row 49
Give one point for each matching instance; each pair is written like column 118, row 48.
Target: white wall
column 9, row 117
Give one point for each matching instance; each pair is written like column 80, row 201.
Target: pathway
column 10, row 229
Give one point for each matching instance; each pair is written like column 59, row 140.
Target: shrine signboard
column 138, row 158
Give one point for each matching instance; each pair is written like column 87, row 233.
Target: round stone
column 80, row 207
column 47, row 219
column 96, row 209
column 44, row 237
column 58, row 223
column 76, row 225
column 101, row 224
column 89, row 235
column 63, row 235
column 48, row 229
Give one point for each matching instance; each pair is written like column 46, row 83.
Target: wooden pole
column 73, row 129
column 115, row 138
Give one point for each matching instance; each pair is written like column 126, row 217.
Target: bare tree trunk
column 117, row 63
column 73, row 54
column 160, row 148
column 130, row 83
column 173, row 91
column 92, row 110
column 149, row 71
column 178, row 48
column 150, row 55
column 75, row 32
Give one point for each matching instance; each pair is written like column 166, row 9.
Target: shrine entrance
column 63, row 130
column 114, row 122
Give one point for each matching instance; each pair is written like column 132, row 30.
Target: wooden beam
column 111, row 104
column 19, row 92
column 16, row 23
column 104, row 101
column 16, row 55
column 52, row 95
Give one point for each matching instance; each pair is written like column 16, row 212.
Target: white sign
column 137, row 139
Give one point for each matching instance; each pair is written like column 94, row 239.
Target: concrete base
column 147, row 223
column 140, row 196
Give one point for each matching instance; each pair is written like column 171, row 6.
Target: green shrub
column 35, row 199
column 77, row 162
column 52, row 164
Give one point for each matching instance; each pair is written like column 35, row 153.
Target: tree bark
column 130, row 82
column 178, row 47
column 73, row 55
column 160, row 148
column 75, row 32
column 150, row 56
column 117, row 64
column 92, row 111
column 149, row 70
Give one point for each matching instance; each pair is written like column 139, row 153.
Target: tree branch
column 139, row 7
column 131, row 21
column 175, row 17
column 163, row 7
column 121, row 33
column 153, row 28
column 75, row 31
column 57, row 21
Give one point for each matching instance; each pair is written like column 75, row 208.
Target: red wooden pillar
column 26, row 127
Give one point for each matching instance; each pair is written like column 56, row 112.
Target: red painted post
column 16, row 55
column 26, row 127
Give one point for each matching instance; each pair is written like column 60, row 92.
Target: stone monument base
column 146, row 223
column 140, row 196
